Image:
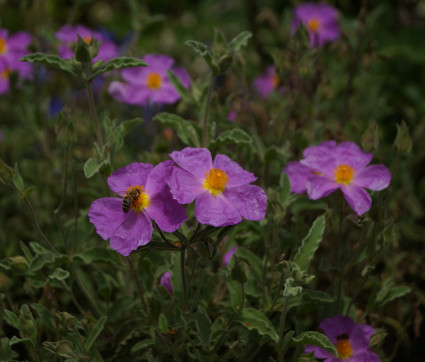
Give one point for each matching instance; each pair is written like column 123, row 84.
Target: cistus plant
column 139, row 224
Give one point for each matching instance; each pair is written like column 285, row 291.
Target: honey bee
column 129, row 198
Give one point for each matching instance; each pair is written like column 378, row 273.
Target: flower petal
column 166, row 211
column 249, row 200
column 237, row 175
column 134, row 232
column 131, row 175
column 158, row 177
column 197, row 161
column 337, row 325
column 106, row 215
column 318, row 352
column 364, row 356
column 298, row 174
column 351, row 154
column 358, row 198
column 215, row 211
column 184, row 186
column 375, row 177
column 360, row 336
column 320, row 186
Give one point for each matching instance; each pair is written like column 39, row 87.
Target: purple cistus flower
column 321, row 21
column 228, row 255
column 343, row 166
column 166, row 281
column 266, row 83
column 149, row 84
column 221, row 188
column 127, row 221
column 351, row 341
column 67, row 35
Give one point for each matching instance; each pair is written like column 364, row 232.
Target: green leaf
column 11, row 318
column 142, row 345
column 255, row 320
column 403, row 141
column 391, row 294
column 310, row 244
column 6, row 171
column 185, row 129
column 119, row 63
column 253, row 260
column 284, row 189
column 97, row 253
column 94, row 333
column 203, row 51
column 59, row 274
column 92, row 167
column 15, row 340
column 290, row 289
column 317, row 296
column 203, row 324
column 54, row 61
column 234, row 135
column 63, row 348
column 235, row 291
column 240, row 40
column 176, row 82
column 315, row 339
column 162, row 323
column 7, row 352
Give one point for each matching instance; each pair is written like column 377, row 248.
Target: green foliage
column 185, row 129
column 314, row 339
column 255, row 320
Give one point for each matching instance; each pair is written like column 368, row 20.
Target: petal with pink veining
column 131, row 175
column 358, row 198
column 197, row 161
column 249, row 200
column 184, row 186
column 237, row 175
column 320, row 186
column 375, row 177
column 215, row 211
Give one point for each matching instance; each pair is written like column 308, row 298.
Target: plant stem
column 198, row 289
column 183, row 275
column 280, row 351
column 93, row 114
column 206, row 113
column 138, row 285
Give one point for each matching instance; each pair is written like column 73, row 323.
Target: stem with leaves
column 206, row 113
column 280, row 351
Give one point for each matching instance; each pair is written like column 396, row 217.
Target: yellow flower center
column 87, row 39
column 215, row 181
column 154, row 81
column 137, row 198
column 3, row 45
column 344, row 348
column 313, row 25
column 5, row 73
column 275, row 80
column 344, row 174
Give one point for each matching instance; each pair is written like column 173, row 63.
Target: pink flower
column 351, row 341
column 127, row 221
column 328, row 167
column 166, row 281
column 268, row 82
column 228, row 255
column 68, row 37
column 221, row 188
column 149, row 84
column 321, row 21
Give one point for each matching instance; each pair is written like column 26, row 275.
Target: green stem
column 138, row 285
column 206, row 114
column 93, row 114
column 198, row 289
column 280, row 351
column 183, row 275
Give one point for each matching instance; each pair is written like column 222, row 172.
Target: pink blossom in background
column 166, row 281
column 228, row 255
column 328, row 167
column 149, row 84
column 129, row 230
column 266, row 83
column 320, row 20
column 222, row 189
column 67, row 35
column 351, row 341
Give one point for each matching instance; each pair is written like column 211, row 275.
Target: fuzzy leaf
column 94, row 333
column 310, row 244
column 234, row 135
column 403, row 142
column 176, row 82
column 119, row 63
column 142, row 345
column 235, row 291
column 317, row 296
column 203, row 51
column 240, row 40
column 163, row 323
column 185, row 129
column 314, row 339
column 203, row 324
column 59, row 274
column 54, row 61
column 11, row 318
column 393, row 293
column 91, row 167
column 253, row 319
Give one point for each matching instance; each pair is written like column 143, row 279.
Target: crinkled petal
column 166, row 281
column 134, row 232
column 364, row 356
column 320, row 186
column 166, row 211
column 158, row 62
column 184, row 186
column 360, row 336
column 131, row 175
column 135, row 75
column 183, row 75
column 318, row 352
column 337, row 325
column 357, row 197
column 106, row 215
column 237, row 175
column 197, row 161
column 249, row 200
column 19, row 41
column 107, row 51
column 375, row 177
column 158, row 177
column 298, row 174
column 216, row 211
column 351, row 154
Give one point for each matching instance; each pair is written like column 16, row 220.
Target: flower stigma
column 344, row 174
column 3, row 46
column 215, row 181
column 343, row 346
column 154, row 81
column 137, row 198
column 313, row 25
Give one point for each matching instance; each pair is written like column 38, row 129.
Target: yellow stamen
column 215, row 181
column 154, row 81
column 344, row 348
column 316, row 173
column 141, row 202
column 313, row 25
column 87, row 39
column 344, row 174
column 3, row 45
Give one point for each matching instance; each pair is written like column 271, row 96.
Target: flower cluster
column 12, row 48
column 351, row 340
column 221, row 188
column 328, row 167
column 67, row 35
column 320, row 20
column 151, row 84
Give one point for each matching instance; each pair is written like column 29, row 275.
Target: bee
column 129, row 198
